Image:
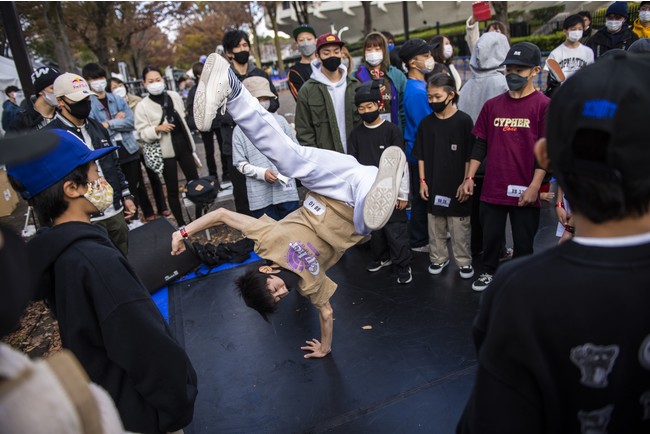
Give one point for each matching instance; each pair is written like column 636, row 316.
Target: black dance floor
column 412, row 372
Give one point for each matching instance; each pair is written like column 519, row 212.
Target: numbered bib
column 314, row 206
column 386, row 116
column 515, row 190
column 442, row 201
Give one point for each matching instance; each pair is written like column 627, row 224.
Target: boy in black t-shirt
column 389, row 245
column 442, row 148
column 563, row 337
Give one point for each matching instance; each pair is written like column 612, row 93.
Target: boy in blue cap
column 106, row 317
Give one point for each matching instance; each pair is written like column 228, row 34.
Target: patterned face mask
column 100, row 194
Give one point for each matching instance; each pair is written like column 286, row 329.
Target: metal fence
column 462, row 66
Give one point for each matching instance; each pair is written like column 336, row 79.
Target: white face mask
column 644, row 16
column 156, row 88
column 374, row 58
column 98, row 86
column 574, row 35
column 613, row 25
column 266, row 104
column 120, row 91
column 429, row 64
column 448, row 51
column 50, row 99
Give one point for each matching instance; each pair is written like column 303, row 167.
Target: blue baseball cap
column 69, row 153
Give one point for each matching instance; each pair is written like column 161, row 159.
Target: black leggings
column 156, row 189
column 170, row 174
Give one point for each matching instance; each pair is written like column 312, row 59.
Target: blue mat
column 161, row 297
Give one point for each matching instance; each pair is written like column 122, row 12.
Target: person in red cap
column 325, row 110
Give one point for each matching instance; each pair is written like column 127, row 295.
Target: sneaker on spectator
column 507, row 255
column 482, row 282
column 437, row 268
column 421, row 249
column 378, row 265
column 466, row 272
column 404, row 275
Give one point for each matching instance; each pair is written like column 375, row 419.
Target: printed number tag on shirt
column 516, row 190
column 442, row 201
column 314, row 206
column 386, row 116
column 288, row 185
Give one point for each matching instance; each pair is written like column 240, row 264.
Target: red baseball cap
column 328, row 39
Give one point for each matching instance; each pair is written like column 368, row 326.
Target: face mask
column 307, row 48
column 369, row 117
column 98, row 86
column 390, row 47
column 374, row 58
column 100, row 194
column 574, row 35
column 644, row 16
column 613, row 25
column 242, row 57
column 156, row 88
column 120, row 92
column 448, row 51
column 266, row 104
column 429, row 64
column 81, row 109
column 439, row 107
column 50, row 99
column 516, row 82
column 332, row 63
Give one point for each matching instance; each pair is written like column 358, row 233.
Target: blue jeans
column 278, row 211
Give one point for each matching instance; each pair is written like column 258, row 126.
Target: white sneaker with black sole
column 466, row 272
column 437, row 268
column 211, row 91
column 482, row 282
column 382, row 196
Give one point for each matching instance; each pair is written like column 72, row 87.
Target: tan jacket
column 147, row 118
column 308, row 242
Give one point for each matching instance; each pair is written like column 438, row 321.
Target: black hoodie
column 109, row 321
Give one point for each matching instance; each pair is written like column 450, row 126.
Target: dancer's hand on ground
column 424, row 191
column 401, row 204
column 468, row 187
column 129, row 209
column 316, row 349
column 270, row 177
column 165, row 128
column 178, row 246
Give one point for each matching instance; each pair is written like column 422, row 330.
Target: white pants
column 332, row 174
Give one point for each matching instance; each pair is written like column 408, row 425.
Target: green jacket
column 315, row 118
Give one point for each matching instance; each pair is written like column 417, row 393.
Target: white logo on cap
column 517, row 53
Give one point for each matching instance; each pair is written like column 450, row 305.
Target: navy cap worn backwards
column 414, row 47
column 609, row 97
column 303, row 28
column 524, row 54
column 42, row 172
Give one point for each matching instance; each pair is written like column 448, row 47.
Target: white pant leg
column 332, row 174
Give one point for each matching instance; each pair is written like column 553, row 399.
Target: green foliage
column 545, row 42
column 545, row 14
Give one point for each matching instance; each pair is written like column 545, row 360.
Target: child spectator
column 305, row 37
column 269, row 192
column 615, row 34
column 506, row 132
column 105, row 316
column 389, row 245
column 642, row 24
column 563, row 337
column 443, row 54
column 442, row 148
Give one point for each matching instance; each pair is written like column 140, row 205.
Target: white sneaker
column 211, row 92
column 382, row 196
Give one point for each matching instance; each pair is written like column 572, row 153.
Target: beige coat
column 147, row 118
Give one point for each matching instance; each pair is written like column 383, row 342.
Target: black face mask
column 242, row 57
column 516, row 82
column 369, row 117
column 439, row 107
column 81, row 109
column 332, row 63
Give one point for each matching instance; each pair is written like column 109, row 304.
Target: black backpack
column 203, row 191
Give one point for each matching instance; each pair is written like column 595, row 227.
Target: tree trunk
column 501, row 13
column 270, row 8
column 302, row 12
column 53, row 14
column 367, row 17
